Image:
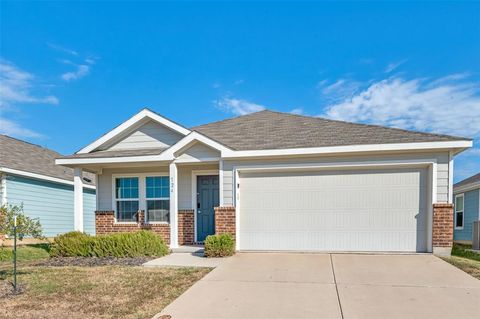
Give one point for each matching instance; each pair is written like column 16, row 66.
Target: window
column 127, row 199
column 459, row 201
column 157, row 199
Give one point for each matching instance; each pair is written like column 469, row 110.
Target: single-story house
column 29, row 177
column 467, row 208
column 276, row 181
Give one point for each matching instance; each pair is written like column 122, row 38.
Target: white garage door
column 362, row 210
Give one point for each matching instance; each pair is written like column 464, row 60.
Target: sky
column 71, row 71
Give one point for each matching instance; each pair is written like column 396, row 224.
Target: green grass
column 460, row 250
column 469, row 266
column 25, row 253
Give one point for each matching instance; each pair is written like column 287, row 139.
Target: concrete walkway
column 184, row 260
column 275, row 285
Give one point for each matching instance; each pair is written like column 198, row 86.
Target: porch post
column 78, row 199
column 173, row 206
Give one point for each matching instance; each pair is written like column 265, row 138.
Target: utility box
column 476, row 235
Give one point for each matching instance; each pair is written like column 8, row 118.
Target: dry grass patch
column 469, row 266
column 97, row 292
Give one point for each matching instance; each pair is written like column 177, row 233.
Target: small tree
column 26, row 226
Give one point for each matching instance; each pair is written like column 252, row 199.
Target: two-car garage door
column 342, row 210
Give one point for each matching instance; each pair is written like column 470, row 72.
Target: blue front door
column 207, row 200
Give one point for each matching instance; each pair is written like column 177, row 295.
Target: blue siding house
column 467, row 208
column 29, row 177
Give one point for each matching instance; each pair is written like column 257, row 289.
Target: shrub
column 219, row 245
column 141, row 243
column 26, row 226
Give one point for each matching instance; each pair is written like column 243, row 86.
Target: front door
column 207, row 200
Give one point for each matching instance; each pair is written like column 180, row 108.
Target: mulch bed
column 93, row 261
column 6, row 289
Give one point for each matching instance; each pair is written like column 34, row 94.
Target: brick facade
column 225, row 220
column 105, row 224
column 442, row 225
column 186, row 226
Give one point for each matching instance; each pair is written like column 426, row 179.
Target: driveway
column 283, row 285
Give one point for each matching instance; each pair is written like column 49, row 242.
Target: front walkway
column 185, row 256
column 275, row 285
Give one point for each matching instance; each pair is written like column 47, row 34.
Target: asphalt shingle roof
column 470, row 180
column 119, row 153
column 24, row 156
column 275, row 130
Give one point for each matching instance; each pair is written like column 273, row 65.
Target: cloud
column 60, row 48
column 11, row 128
column 297, row 111
column 238, row 106
column 16, row 86
column 418, row 104
column 339, row 89
column 81, row 70
column 238, row 82
column 393, row 66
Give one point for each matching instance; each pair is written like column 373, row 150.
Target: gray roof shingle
column 118, row 153
column 24, row 156
column 275, row 130
column 467, row 181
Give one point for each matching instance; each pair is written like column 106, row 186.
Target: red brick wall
column 186, row 226
column 442, row 225
column 105, row 224
column 225, row 220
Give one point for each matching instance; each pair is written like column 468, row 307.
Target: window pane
column 459, row 203
column 157, row 187
column 126, row 187
column 459, row 220
column 127, row 211
column 158, row 210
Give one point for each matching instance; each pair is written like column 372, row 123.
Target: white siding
column 199, row 151
column 442, row 168
column 148, row 135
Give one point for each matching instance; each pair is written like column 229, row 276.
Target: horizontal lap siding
column 51, row 203
column 442, row 168
column 89, row 207
column 471, row 207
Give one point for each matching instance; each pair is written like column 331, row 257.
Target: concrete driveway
column 282, row 285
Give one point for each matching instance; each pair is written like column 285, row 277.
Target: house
column 467, row 208
column 276, row 181
column 29, row 177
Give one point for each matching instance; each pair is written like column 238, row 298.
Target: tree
column 26, row 226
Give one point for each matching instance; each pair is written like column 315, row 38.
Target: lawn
column 25, row 253
column 96, row 292
column 465, row 260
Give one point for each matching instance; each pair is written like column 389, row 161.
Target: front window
column 459, row 202
column 127, row 198
column 157, row 195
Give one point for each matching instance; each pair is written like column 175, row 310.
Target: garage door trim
column 431, row 165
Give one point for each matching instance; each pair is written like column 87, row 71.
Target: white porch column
column 78, row 199
column 173, row 206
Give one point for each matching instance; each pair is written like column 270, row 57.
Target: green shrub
column 141, row 243
column 464, row 251
column 219, row 245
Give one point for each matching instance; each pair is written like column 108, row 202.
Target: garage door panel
column 381, row 210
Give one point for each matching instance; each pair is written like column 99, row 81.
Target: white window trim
column 463, row 211
column 142, row 198
column 155, row 198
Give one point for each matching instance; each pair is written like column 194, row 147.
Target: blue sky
column 72, row 71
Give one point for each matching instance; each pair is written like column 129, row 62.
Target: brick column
column 442, row 237
column 186, row 226
column 104, row 220
column 225, row 220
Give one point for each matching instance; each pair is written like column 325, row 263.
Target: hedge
column 136, row 244
column 219, row 245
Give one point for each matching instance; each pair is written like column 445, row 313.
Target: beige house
column 276, row 181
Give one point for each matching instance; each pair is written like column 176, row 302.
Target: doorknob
column 199, row 211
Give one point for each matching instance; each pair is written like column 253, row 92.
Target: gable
column 148, row 135
column 198, row 151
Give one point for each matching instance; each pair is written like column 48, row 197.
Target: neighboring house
column 276, row 181
column 467, row 208
column 29, row 177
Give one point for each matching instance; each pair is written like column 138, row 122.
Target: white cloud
column 297, row 111
column 81, row 71
column 62, row 49
column 237, row 106
column 16, row 86
column 339, row 89
column 11, row 128
column 393, row 66
column 238, row 82
column 419, row 104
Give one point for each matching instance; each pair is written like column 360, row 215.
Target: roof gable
column 130, row 126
